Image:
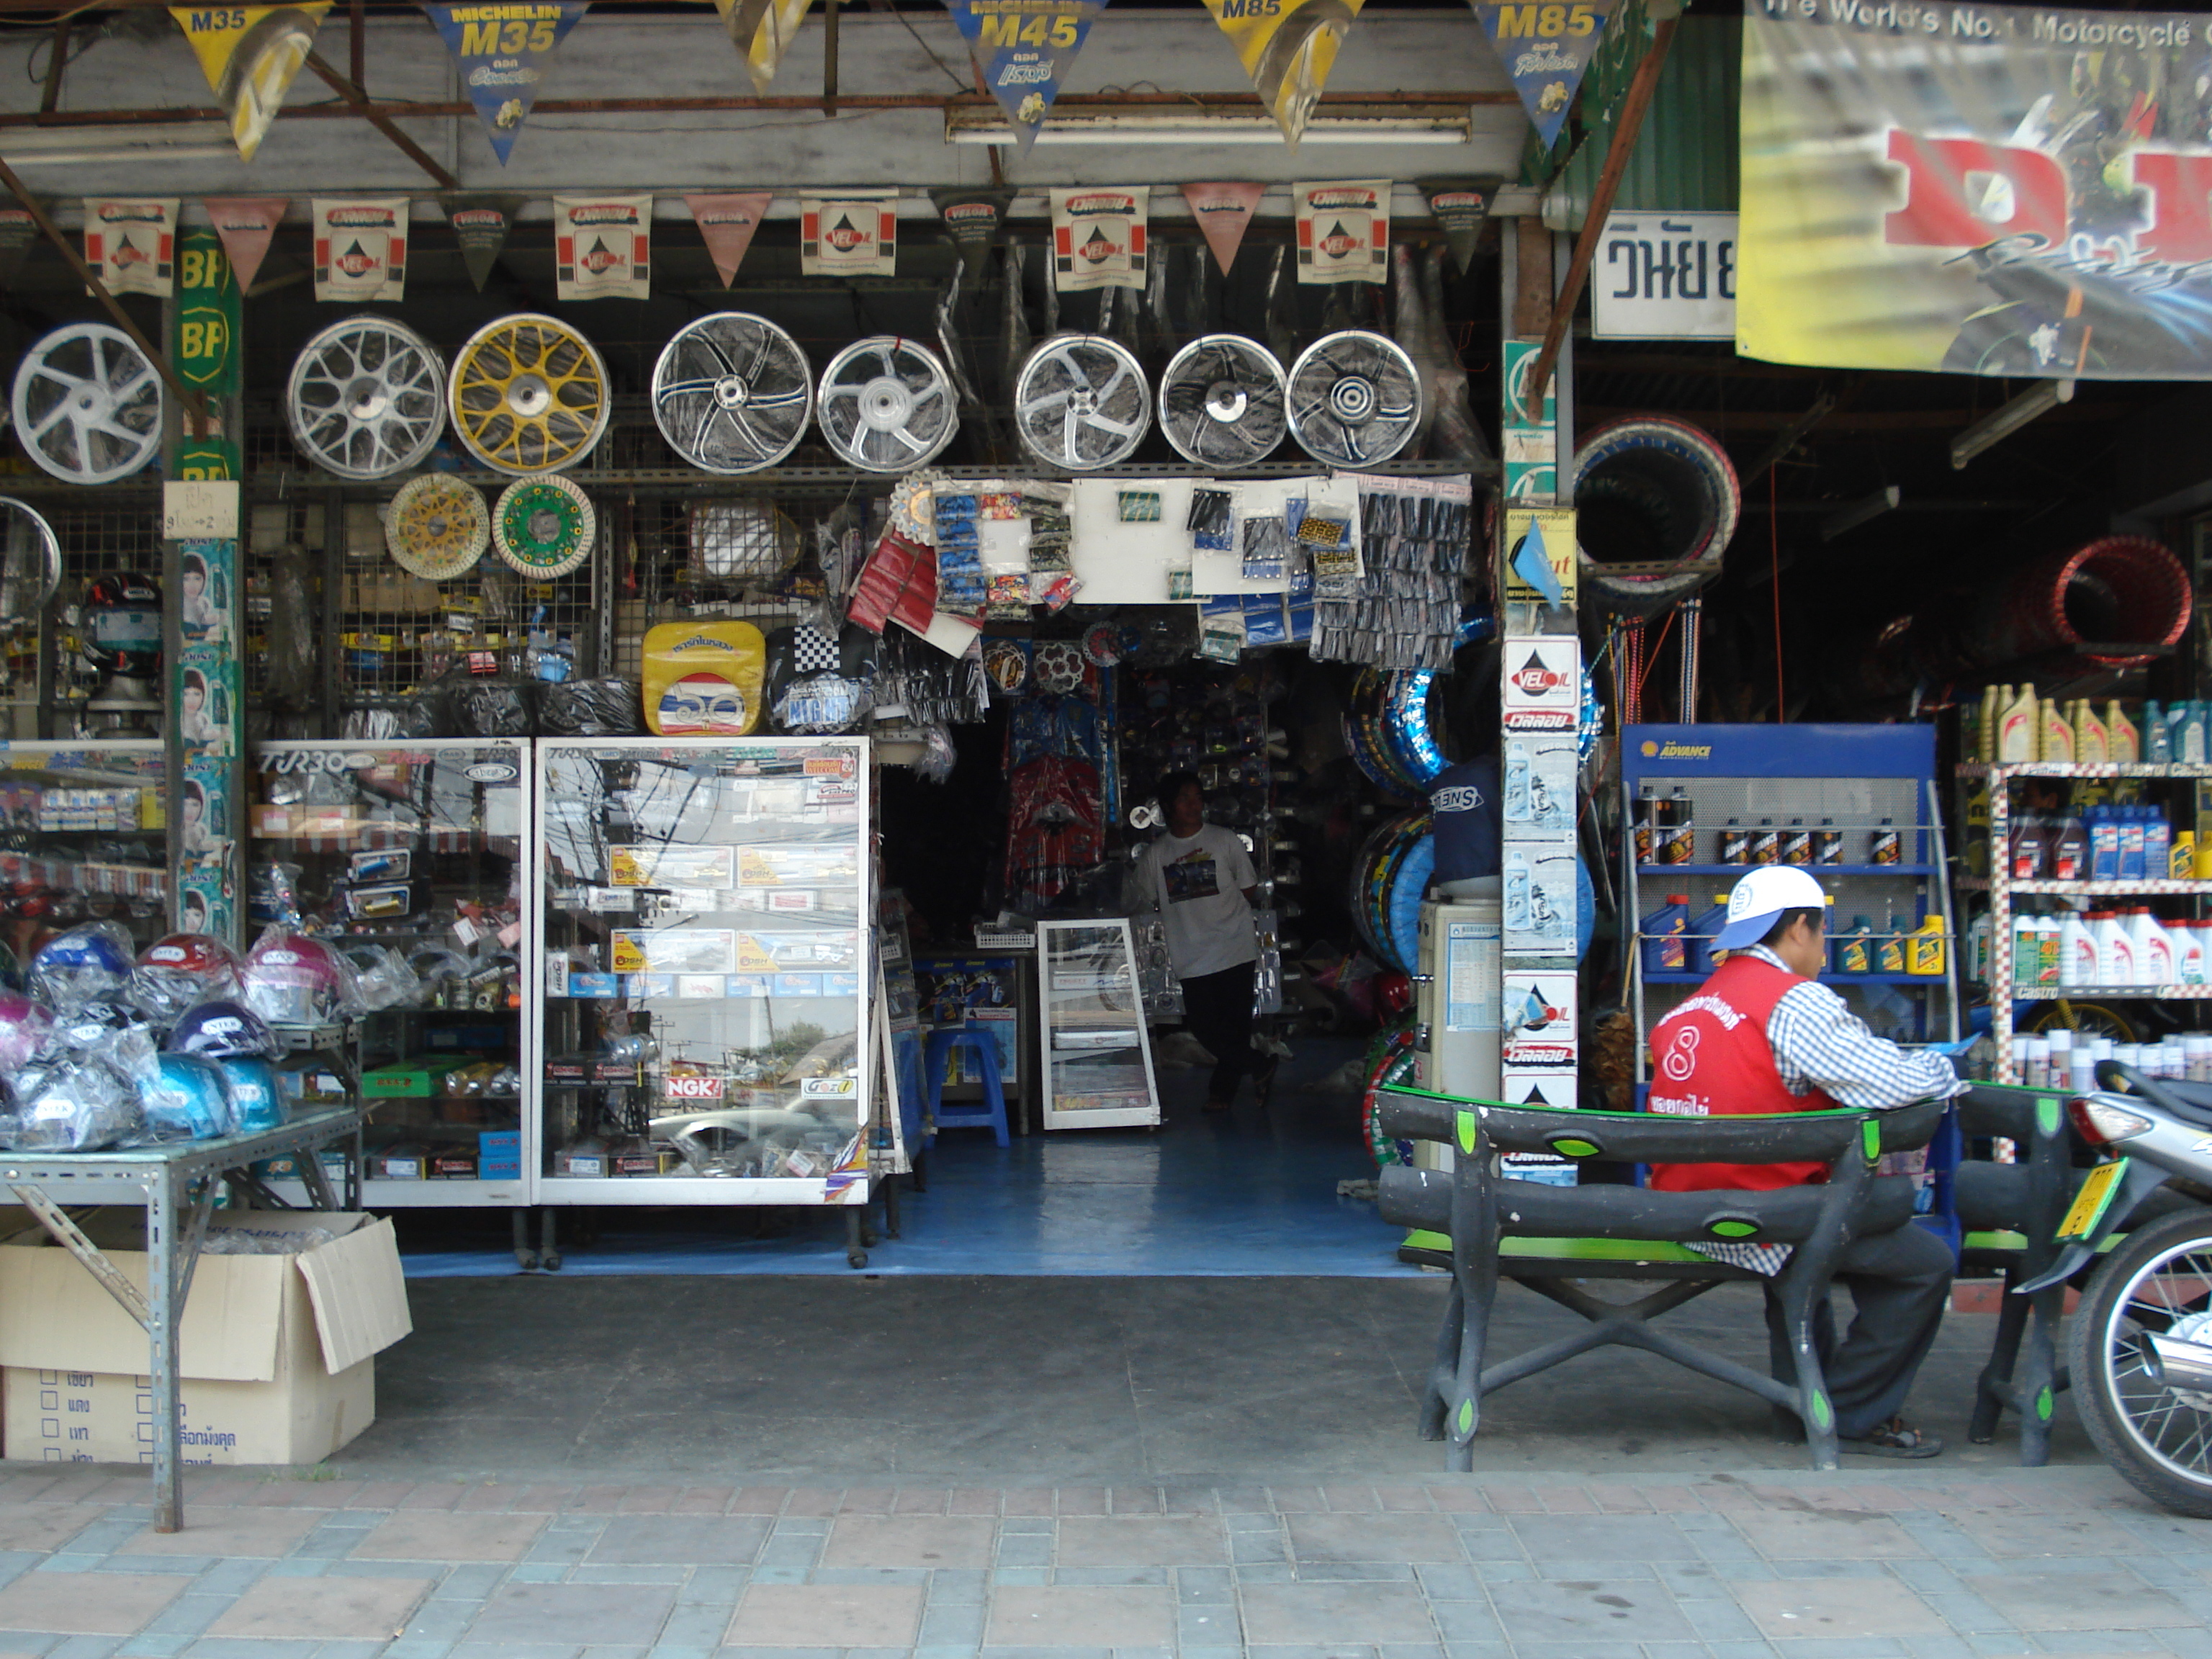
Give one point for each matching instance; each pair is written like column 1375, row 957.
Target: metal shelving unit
column 2003, row 992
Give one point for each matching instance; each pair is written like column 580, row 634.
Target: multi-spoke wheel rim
column 732, row 392
column 1221, row 401
column 885, row 404
column 1080, row 402
column 1355, row 399
column 437, row 526
column 2165, row 1297
column 367, row 398
column 87, row 404
column 544, row 527
column 528, row 394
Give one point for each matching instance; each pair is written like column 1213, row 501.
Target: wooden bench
column 1549, row 1237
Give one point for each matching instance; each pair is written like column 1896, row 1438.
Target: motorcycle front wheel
column 2158, row 1281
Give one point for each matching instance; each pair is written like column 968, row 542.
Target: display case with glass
column 698, row 971
column 83, row 838
column 1097, row 1059
column 410, row 860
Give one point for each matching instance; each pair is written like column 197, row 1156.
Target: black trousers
column 1900, row 1284
column 1218, row 1009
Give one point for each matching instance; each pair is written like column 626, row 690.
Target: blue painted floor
column 1245, row 1194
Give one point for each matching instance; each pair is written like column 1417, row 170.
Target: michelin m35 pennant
column 1288, row 48
column 2013, row 191
column 250, row 55
column 503, row 52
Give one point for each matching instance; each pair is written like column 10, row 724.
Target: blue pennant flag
column 1022, row 49
column 503, row 51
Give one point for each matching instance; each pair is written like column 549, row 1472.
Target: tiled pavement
column 1919, row 1563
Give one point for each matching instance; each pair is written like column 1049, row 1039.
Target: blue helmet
column 255, row 1105
column 223, row 1030
column 81, row 964
column 185, row 1099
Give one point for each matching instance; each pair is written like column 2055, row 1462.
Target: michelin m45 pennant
column 503, row 53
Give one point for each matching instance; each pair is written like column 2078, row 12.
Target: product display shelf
column 2001, row 887
column 695, row 978
column 1093, row 1048
column 177, row 1185
column 457, row 813
column 68, row 809
column 1866, row 780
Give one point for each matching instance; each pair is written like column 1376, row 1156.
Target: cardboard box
column 278, row 1351
column 420, row 1077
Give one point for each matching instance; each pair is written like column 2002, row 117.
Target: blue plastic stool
column 991, row 1113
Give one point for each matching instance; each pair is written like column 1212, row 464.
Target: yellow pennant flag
column 1288, row 48
column 763, row 31
column 249, row 55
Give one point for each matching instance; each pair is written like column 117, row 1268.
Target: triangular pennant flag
column 503, row 52
column 481, row 224
column 727, row 221
column 972, row 217
column 249, row 55
column 1545, row 50
column 246, row 225
column 1460, row 206
column 763, row 30
column 18, row 230
column 1288, row 48
column 1022, row 52
column 1223, row 211
column 1344, row 231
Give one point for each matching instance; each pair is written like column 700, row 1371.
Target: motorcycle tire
column 2141, row 1428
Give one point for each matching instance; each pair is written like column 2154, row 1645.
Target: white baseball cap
column 1759, row 897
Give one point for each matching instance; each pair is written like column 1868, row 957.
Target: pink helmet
column 292, row 980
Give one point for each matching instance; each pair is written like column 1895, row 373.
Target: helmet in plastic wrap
column 123, row 625
column 255, row 1104
column 185, row 970
column 223, row 1030
column 68, row 1106
column 24, row 1025
column 291, row 980
column 186, row 1099
column 90, row 962
column 11, row 969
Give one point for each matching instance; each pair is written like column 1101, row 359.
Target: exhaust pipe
column 2178, row 1364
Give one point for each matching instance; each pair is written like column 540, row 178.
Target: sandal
column 1895, row 1438
column 1263, row 1082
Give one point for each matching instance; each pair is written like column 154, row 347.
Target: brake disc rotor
column 437, row 526
column 366, row 397
column 544, row 526
column 1221, row 401
column 1354, row 398
column 528, row 394
column 1080, row 402
column 732, row 393
column 87, row 404
column 885, row 404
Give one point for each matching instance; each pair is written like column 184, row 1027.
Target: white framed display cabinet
column 1095, row 1054
column 86, row 825
column 423, row 846
column 694, row 992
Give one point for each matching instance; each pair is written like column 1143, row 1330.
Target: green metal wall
column 1685, row 158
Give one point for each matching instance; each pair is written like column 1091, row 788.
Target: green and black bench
column 1552, row 1238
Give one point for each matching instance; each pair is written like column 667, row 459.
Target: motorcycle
column 2140, row 1344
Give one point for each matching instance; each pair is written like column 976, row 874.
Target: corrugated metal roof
column 1685, row 157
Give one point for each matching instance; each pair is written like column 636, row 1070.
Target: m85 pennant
column 1022, row 49
column 1288, row 48
column 603, row 247
column 856, row 235
column 1344, row 231
column 249, row 55
column 1545, row 49
column 503, row 52
column 763, row 30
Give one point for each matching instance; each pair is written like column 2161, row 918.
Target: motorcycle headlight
column 2101, row 1119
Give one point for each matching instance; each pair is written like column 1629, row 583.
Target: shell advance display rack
column 1726, row 798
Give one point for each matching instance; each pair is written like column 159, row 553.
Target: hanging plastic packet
column 1221, row 628
column 1212, row 520
column 1266, row 550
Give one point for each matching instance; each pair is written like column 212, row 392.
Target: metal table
column 177, row 1185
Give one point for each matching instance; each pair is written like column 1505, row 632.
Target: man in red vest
column 1761, row 1034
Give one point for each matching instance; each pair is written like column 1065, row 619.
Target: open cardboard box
column 279, row 1352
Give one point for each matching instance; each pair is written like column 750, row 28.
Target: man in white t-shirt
column 1201, row 877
